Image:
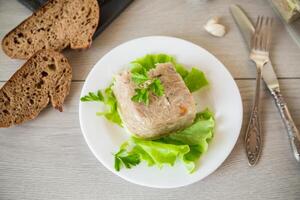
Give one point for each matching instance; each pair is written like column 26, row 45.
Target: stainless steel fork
column 260, row 44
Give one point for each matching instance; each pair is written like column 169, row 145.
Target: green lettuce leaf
column 197, row 136
column 198, row 132
column 149, row 61
column 194, row 79
column 161, row 153
column 138, row 68
column 143, row 155
column 186, row 146
column 180, row 69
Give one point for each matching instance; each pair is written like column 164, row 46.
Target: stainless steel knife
column 246, row 28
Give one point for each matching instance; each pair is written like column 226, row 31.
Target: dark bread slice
column 56, row 25
column 45, row 77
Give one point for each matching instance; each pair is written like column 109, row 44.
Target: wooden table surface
column 47, row 158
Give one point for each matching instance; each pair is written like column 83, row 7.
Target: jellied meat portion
column 166, row 114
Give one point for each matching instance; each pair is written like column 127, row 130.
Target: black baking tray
column 109, row 10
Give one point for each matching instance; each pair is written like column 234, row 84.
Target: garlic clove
column 217, row 30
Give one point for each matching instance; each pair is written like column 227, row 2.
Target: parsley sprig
column 141, row 95
column 139, row 78
column 146, row 86
column 91, row 96
column 109, row 100
column 127, row 159
column 156, row 87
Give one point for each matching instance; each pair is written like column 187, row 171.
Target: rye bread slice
column 44, row 78
column 56, row 25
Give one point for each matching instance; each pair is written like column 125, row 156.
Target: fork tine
column 256, row 38
column 256, row 24
column 261, row 38
column 264, row 33
column 261, row 33
column 259, row 27
column 269, row 34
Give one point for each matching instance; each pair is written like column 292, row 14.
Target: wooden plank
column 48, row 158
column 183, row 19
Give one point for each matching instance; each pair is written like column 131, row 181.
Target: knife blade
column 244, row 23
column 246, row 28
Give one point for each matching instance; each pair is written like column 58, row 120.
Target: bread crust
column 68, row 38
column 44, row 78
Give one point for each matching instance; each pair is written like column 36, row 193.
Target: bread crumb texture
column 45, row 77
column 57, row 25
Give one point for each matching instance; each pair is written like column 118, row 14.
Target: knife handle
column 288, row 121
column 253, row 139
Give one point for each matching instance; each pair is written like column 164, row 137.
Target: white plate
column 223, row 97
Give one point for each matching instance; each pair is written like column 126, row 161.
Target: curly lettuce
column 186, row 145
column 194, row 79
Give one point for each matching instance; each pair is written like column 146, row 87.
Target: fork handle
column 288, row 121
column 253, row 139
